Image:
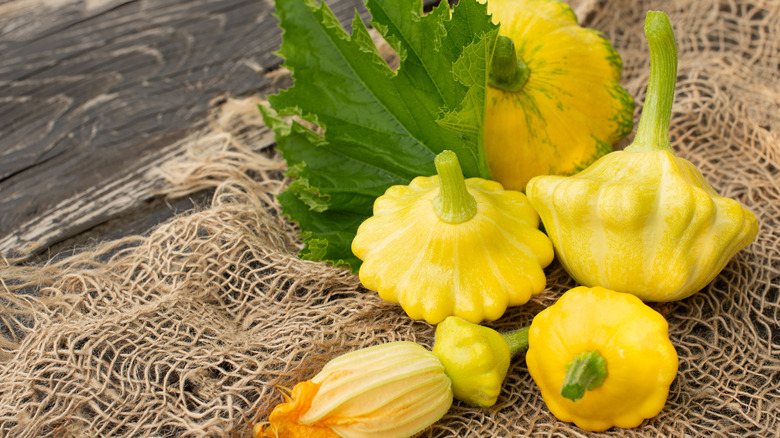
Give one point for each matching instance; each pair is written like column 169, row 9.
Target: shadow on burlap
column 189, row 331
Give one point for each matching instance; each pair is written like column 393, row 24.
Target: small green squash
column 554, row 100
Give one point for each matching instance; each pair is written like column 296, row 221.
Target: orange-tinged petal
column 284, row 418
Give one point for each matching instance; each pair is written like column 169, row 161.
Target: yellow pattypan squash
column 554, row 100
column 601, row 358
column 642, row 220
column 442, row 246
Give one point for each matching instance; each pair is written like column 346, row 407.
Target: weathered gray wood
column 95, row 94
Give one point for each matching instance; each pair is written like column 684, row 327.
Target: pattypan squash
column 554, row 100
column 601, row 358
column 442, row 246
column 475, row 357
column 643, row 220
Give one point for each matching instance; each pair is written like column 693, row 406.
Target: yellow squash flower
column 393, row 390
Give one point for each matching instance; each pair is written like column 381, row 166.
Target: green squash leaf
column 380, row 127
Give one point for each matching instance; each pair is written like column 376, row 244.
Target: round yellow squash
column 554, row 100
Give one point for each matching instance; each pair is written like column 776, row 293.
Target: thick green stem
column 517, row 340
column 454, row 204
column 653, row 131
column 508, row 72
column 586, row 372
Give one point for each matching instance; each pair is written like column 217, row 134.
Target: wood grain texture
column 94, row 95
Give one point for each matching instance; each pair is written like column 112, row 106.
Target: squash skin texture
column 645, row 222
column 434, row 269
column 633, row 338
column 572, row 109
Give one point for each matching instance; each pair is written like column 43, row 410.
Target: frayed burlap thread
column 192, row 329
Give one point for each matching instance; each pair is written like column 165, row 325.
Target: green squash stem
column 585, row 372
column 653, row 131
column 517, row 340
column 454, row 204
column 508, row 72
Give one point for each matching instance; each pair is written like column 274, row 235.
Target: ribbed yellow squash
column 444, row 246
column 642, row 220
column 563, row 107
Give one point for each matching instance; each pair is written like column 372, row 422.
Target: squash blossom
column 554, row 100
column 390, row 390
column 444, row 246
column 642, row 220
column 601, row 358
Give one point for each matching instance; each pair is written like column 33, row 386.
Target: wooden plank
column 95, row 95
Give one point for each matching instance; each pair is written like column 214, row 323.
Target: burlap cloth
column 189, row 330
